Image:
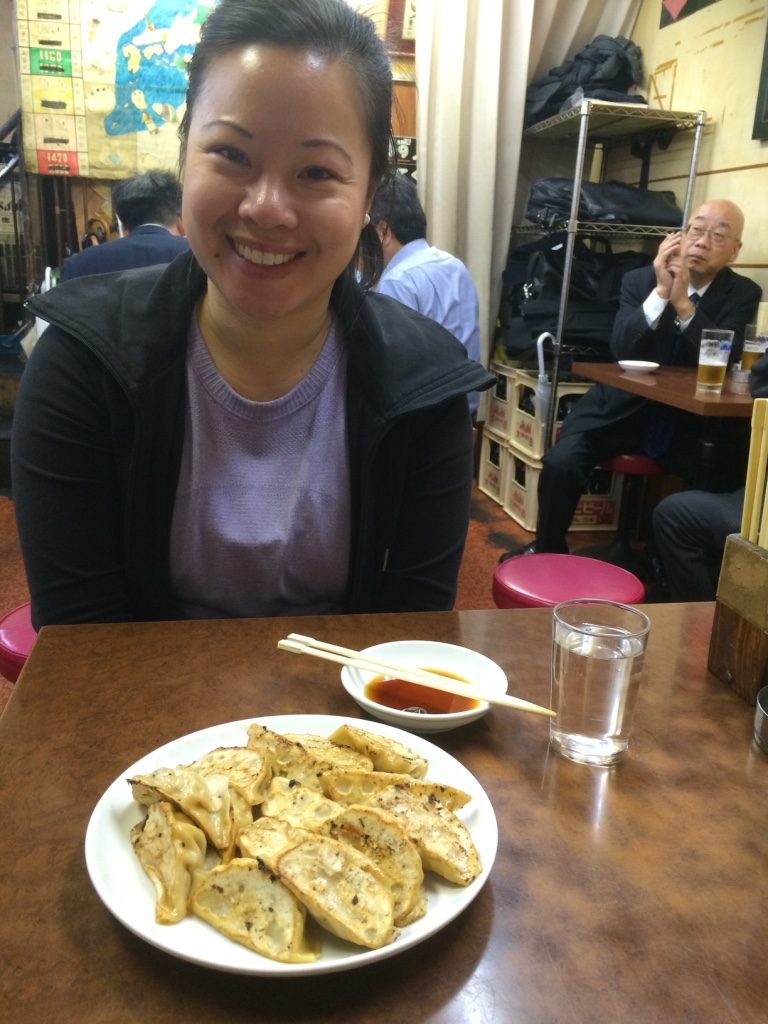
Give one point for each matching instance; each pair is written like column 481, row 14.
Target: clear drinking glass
column 598, row 648
column 755, row 344
column 714, row 352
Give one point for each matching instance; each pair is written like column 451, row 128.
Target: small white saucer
column 637, row 366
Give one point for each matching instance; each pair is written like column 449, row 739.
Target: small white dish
column 637, row 366
column 426, row 654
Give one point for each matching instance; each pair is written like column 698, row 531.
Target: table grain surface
column 670, row 385
column 631, row 895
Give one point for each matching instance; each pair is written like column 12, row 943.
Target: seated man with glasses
column 662, row 312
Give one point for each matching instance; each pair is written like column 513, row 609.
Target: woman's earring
column 366, row 220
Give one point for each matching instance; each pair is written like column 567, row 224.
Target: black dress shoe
column 524, row 549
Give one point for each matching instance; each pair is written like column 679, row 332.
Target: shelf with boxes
column 513, row 445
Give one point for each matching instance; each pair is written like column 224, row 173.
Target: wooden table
column 670, row 385
column 634, row 894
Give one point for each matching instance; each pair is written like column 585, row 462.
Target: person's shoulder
column 639, row 274
column 397, row 320
column 80, row 264
column 734, row 279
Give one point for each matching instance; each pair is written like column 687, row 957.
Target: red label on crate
column 595, row 512
column 498, row 416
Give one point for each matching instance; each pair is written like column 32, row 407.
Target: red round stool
column 17, row 637
column 542, row 581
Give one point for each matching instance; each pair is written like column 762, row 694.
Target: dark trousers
column 690, row 529
column 567, row 465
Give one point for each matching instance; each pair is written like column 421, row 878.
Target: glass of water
column 598, row 648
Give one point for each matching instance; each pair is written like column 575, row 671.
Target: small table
column 636, row 893
column 670, row 385
column 676, row 386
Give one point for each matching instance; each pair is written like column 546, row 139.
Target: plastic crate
column 494, row 463
column 501, row 404
column 597, row 510
column 527, row 429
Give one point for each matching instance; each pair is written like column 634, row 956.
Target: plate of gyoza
column 291, row 845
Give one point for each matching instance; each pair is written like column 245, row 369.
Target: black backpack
column 532, row 284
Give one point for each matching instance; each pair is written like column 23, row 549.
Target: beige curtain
column 474, row 60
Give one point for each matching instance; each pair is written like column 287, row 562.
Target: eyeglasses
column 717, row 238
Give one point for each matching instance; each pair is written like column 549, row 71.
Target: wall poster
column 103, row 85
column 675, row 10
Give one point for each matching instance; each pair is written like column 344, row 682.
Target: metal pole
column 578, row 175
column 692, row 169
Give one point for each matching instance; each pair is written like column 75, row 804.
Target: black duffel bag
column 549, row 203
column 532, row 284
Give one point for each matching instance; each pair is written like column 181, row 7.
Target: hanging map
column 103, row 83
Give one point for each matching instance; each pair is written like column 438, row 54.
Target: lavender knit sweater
column 262, row 515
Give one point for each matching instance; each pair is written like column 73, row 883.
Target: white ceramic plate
column 637, row 366
column 430, row 654
column 126, row 891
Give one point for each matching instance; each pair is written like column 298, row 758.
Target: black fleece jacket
column 98, row 434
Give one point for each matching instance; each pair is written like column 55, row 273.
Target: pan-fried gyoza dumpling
column 266, row 838
column 443, row 841
column 170, row 848
column 300, row 805
column 285, row 757
column 361, row 787
column 249, row 904
column 330, row 754
column 240, row 816
column 341, row 889
column 203, row 798
column 387, row 754
column 382, row 838
column 248, row 770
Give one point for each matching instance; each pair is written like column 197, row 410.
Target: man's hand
column 672, row 275
column 667, row 264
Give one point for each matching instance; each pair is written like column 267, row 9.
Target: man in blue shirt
column 148, row 212
column 431, row 281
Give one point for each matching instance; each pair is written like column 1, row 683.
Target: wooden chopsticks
column 297, row 644
column 754, row 520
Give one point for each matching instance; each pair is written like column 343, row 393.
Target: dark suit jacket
column 730, row 303
column 145, row 246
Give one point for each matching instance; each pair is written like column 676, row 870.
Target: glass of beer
column 755, row 345
column 714, row 352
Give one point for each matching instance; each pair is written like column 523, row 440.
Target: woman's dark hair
column 328, row 28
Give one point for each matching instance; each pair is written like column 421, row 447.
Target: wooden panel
column 404, row 109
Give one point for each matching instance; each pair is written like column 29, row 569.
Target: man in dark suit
column 148, row 212
column 690, row 528
column 662, row 312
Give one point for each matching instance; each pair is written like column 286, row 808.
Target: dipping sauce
column 399, row 694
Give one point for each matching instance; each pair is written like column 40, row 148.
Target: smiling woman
column 277, row 181
column 251, row 430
